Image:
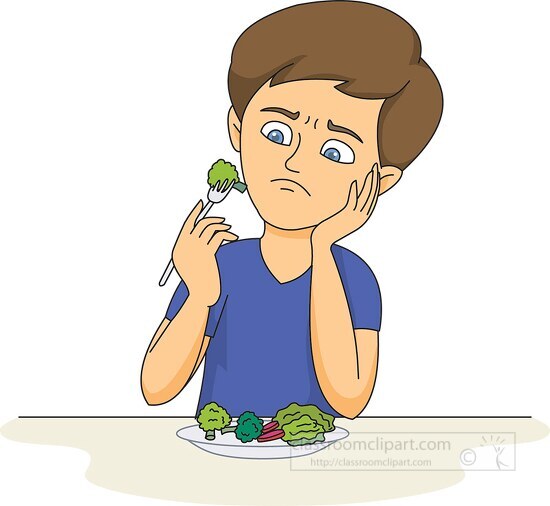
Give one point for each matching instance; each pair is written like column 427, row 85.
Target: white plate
column 229, row 446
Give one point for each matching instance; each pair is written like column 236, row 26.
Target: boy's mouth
column 291, row 181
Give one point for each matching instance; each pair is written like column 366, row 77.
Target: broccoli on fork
column 222, row 170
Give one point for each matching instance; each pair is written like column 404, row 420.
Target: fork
column 215, row 195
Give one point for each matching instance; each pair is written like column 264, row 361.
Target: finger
column 352, row 194
column 210, row 230
column 202, row 224
column 361, row 194
column 367, row 198
column 368, row 206
column 364, row 195
column 219, row 237
column 190, row 220
column 371, row 202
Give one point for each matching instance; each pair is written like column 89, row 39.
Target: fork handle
column 170, row 266
column 166, row 273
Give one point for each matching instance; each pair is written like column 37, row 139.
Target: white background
column 111, row 113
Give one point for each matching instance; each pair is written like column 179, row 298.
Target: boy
column 330, row 103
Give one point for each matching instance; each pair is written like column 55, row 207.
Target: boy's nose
column 295, row 160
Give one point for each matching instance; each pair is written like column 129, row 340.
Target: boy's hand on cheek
column 353, row 215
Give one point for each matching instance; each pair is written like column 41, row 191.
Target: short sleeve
column 180, row 296
column 362, row 291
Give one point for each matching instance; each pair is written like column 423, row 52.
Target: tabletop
column 381, row 458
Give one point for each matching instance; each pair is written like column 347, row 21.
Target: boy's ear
column 234, row 125
column 389, row 176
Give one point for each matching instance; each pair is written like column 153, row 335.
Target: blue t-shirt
column 259, row 358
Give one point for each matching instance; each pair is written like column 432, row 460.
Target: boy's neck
column 275, row 235
column 287, row 252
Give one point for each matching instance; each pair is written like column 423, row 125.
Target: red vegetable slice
column 270, row 426
column 271, row 435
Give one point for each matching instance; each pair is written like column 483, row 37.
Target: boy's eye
column 338, row 151
column 277, row 132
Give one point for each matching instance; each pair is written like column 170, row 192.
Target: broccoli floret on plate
column 248, row 427
column 213, row 417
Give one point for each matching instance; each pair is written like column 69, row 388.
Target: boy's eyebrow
column 344, row 130
column 281, row 110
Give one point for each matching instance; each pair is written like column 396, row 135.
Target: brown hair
column 374, row 50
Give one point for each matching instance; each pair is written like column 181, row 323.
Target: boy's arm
column 160, row 331
column 345, row 359
column 175, row 352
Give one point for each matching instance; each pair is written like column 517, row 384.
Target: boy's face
column 302, row 143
